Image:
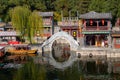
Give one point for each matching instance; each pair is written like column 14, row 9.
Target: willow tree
column 27, row 23
column 19, row 18
column 35, row 26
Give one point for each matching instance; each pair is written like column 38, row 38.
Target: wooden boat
column 22, row 52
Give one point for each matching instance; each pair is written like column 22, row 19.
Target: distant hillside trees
column 67, row 6
column 112, row 6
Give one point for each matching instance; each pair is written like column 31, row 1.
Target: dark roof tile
column 95, row 15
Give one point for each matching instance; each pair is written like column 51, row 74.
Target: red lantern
column 103, row 21
column 91, row 22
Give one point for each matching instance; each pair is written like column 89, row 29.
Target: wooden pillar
column 96, row 41
column 97, row 25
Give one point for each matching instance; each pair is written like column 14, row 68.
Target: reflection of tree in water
column 61, row 50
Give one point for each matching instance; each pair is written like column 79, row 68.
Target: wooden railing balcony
column 96, row 28
column 103, row 28
column 90, row 28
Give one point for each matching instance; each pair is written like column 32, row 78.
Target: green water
column 7, row 74
column 51, row 73
column 31, row 71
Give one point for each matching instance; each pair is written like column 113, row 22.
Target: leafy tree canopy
column 66, row 6
column 26, row 22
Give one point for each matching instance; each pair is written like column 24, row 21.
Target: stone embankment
column 87, row 53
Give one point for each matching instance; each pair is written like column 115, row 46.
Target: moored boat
column 20, row 52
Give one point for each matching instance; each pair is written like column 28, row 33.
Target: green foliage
column 82, row 6
column 98, row 5
column 35, row 25
column 114, row 8
column 57, row 16
column 19, row 18
column 31, row 71
column 60, row 5
column 72, row 6
column 118, row 13
column 34, row 4
column 3, row 5
column 13, row 3
column 27, row 23
column 50, row 5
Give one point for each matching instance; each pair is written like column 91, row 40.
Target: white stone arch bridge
column 47, row 49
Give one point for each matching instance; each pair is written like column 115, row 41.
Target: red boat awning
column 13, row 42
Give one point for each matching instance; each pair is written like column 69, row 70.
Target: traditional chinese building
column 116, row 34
column 70, row 25
column 96, row 29
column 47, row 23
column 7, row 33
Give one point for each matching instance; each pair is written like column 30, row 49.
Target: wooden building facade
column 48, row 19
column 96, row 29
column 71, row 25
column 7, row 33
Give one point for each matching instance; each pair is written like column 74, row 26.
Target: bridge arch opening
column 61, row 50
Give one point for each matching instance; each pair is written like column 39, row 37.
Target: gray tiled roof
column 9, row 33
column 95, row 15
column 46, row 13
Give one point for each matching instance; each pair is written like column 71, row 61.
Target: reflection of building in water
column 60, row 50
